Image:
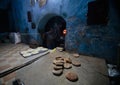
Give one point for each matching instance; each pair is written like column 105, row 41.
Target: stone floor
column 93, row 71
column 10, row 58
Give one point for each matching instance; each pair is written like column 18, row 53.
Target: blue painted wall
column 100, row 41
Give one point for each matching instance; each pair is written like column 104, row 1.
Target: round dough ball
column 34, row 52
column 71, row 76
column 27, row 54
column 30, row 50
column 37, row 50
column 23, row 52
column 43, row 49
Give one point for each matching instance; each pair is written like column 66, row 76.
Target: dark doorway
column 53, row 35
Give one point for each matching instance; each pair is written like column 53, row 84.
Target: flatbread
column 34, row 52
column 67, row 60
column 67, row 65
column 39, row 48
column 59, row 64
column 76, row 55
column 71, row 76
column 59, row 58
column 23, row 52
column 57, row 67
column 58, row 61
column 76, row 63
column 27, row 54
column 30, row 50
column 43, row 49
column 57, row 72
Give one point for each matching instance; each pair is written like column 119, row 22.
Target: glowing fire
column 64, row 31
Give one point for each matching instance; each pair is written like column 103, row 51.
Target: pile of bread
column 31, row 51
column 61, row 63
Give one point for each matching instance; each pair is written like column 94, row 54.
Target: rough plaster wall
column 40, row 14
column 19, row 15
column 99, row 41
column 76, row 8
column 65, row 8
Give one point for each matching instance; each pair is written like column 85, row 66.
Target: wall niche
column 29, row 16
column 97, row 12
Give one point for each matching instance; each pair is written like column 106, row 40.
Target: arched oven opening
column 55, row 31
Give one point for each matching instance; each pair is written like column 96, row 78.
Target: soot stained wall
column 98, row 40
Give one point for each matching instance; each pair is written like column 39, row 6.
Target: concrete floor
column 93, row 71
column 11, row 60
column 10, row 57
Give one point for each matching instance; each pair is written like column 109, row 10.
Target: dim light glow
column 64, row 31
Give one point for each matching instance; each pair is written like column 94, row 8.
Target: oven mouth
column 55, row 31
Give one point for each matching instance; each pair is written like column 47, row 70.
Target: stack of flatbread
column 61, row 63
